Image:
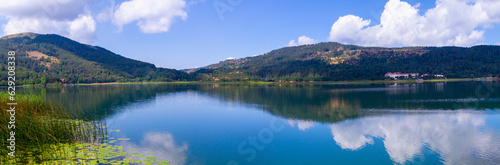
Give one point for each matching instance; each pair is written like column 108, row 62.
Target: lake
column 196, row 124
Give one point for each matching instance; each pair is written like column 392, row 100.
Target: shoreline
column 270, row 83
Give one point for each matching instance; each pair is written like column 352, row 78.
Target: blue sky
column 193, row 34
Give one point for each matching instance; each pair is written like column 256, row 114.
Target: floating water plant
column 48, row 134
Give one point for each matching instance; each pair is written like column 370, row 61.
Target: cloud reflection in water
column 301, row 124
column 459, row 137
column 161, row 145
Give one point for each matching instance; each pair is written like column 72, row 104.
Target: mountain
column 54, row 57
column 50, row 58
column 337, row 62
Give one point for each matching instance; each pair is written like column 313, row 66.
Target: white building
column 397, row 75
column 439, row 76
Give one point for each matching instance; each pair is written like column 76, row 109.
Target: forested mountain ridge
column 337, row 62
column 50, row 58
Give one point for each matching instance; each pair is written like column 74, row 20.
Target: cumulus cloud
column 83, row 28
column 348, row 29
column 65, row 17
column 452, row 135
column 303, row 40
column 152, row 16
column 450, row 22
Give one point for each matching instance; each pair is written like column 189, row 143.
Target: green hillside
column 52, row 58
column 337, row 62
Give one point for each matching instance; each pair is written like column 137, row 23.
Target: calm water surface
column 429, row 123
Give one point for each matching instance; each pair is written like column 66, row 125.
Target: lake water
column 196, row 124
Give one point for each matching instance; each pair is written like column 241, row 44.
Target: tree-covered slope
column 50, row 58
column 54, row 57
column 337, row 62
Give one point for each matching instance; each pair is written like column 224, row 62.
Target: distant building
column 398, row 75
column 439, row 76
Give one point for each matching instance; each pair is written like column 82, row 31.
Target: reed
column 46, row 133
column 40, row 124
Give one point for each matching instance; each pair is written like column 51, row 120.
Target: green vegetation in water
column 45, row 133
column 96, row 153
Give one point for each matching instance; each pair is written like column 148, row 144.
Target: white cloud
column 498, row 44
column 348, row 29
column 83, row 28
column 303, row 40
column 451, row 22
column 153, row 16
column 65, row 17
column 452, row 135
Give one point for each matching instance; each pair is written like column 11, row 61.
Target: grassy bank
column 268, row 82
column 284, row 82
column 45, row 133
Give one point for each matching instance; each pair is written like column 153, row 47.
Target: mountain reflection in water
column 427, row 123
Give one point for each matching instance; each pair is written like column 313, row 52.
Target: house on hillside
column 398, row 75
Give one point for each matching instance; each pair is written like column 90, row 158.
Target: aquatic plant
column 45, row 133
